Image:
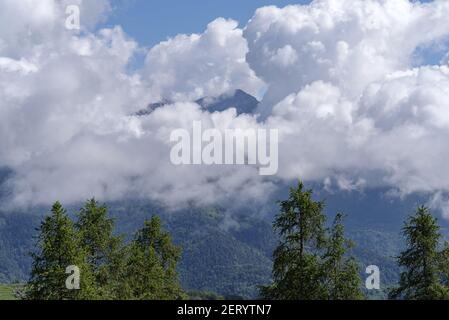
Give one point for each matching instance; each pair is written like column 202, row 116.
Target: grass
column 6, row 292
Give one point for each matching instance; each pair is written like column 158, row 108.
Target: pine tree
column 58, row 247
column 341, row 273
column 296, row 269
column 151, row 269
column 421, row 278
column 311, row 262
column 104, row 250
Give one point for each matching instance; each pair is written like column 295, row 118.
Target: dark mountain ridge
column 238, row 99
column 231, row 259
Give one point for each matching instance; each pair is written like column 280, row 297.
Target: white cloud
column 440, row 202
column 65, row 124
column 189, row 67
column 126, row 163
column 344, row 42
column 350, row 107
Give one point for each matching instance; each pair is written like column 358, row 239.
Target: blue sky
column 152, row 21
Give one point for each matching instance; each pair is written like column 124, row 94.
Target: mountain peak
column 243, row 102
column 239, row 99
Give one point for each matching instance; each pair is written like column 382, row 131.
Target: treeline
column 108, row 268
column 312, row 261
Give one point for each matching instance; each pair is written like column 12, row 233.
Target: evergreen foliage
column 109, row 269
column 424, row 265
column 311, row 262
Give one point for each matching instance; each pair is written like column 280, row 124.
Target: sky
column 357, row 89
column 152, row 21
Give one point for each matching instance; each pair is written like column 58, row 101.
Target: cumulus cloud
column 346, row 43
column 66, row 124
column 190, row 67
column 29, row 25
column 57, row 85
column 341, row 81
column 135, row 164
column 342, row 90
column 394, row 135
column 440, row 201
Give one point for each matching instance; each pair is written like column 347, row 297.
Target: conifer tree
column 340, row 272
column 296, row 269
column 421, row 260
column 311, row 262
column 151, row 269
column 58, row 247
column 104, row 250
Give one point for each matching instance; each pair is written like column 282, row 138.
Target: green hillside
column 227, row 253
column 217, row 256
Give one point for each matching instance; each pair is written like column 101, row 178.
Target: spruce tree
column 421, row 260
column 104, row 250
column 58, row 247
column 151, row 269
column 340, row 272
column 296, row 270
column 311, row 262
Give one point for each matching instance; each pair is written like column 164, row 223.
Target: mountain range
column 228, row 252
column 243, row 102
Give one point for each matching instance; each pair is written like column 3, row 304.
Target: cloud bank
column 341, row 85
